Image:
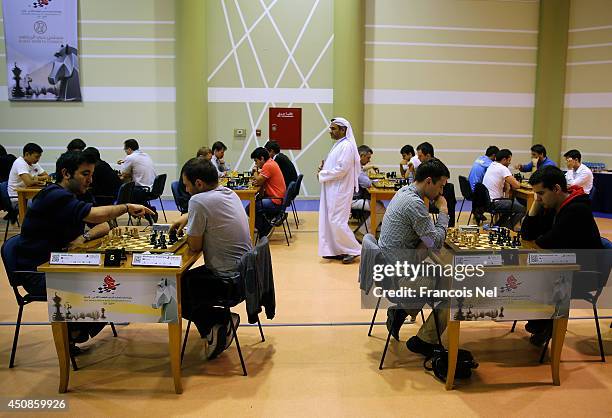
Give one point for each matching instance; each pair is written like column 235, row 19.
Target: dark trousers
column 36, row 285
column 203, row 295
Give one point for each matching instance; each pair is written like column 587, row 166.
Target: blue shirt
column 54, row 219
column 479, row 168
column 364, row 181
column 525, row 168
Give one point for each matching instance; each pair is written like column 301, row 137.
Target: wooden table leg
column 373, row 221
column 22, row 203
column 174, row 347
column 252, row 218
column 60, row 337
column 452, row 332
column 558, row 336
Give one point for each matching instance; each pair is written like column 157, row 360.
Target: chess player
column 498, row 179
column 216, row 225
column 56, row 221
column 218, row 149
column 285, row 164
column 538, row 160
column 339, row 178
column 407, row 164
column 479, row 168
column 268, row 176
column 138, row 167
column 26, row 172
column 6, row 163
column 560, row 218
column 105, row 184
column 205, row 153
column 408, row 226
column 577, row 173
column 77, row 144
column 425, row 152
column 362, row 202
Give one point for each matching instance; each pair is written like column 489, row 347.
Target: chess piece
column 17, row 91
column 102, row 310
column 172, row 237
column 153, row 238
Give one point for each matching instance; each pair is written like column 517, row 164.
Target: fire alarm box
column 286, row 126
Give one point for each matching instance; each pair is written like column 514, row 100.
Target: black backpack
column 439, row 363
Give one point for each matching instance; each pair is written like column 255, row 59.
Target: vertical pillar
column 550, row 76
column 191, row 107
column 349, row 65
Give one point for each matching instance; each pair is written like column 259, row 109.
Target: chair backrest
column 158, row 186
column 606, row 243
column 298, row 185
column 125, row 193
column 466, row 189
column 175, row 194
column 289, row 191
column 9, row 258
column 481, row 198
column 5, row 201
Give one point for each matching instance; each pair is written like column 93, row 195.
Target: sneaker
column 216, row 340
column 349, row 259
column 334, row 257
column 417, row 345
column 537, row 326
column 539, row 339
column 235, row 318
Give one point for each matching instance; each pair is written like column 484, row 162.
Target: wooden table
column 60, row 329
column 445, row 256
column 249, row 194
column 23, row 194
column 377, row 194
column 525, row 193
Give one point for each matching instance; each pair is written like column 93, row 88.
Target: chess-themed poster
column 110, row 297
column 41, row 50
column 514, row 295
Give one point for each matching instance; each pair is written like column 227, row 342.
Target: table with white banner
column 127, row 293
column 524, row 287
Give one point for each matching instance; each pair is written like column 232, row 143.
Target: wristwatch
column 86, row 236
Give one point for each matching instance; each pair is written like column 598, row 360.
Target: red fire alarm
column 286, row 126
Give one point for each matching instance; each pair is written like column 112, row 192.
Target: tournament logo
column 109, row 285
column 511, row 284
column 41, row 3
column 40, row 27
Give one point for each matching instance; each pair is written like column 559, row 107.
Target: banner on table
column 42, row 50
column 110, row 297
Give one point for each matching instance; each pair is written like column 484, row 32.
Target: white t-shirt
column 20, row 166
column 494, row 179
column 140, row 167
column 582, row 176
column 415, row 161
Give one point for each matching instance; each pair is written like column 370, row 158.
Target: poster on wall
column 286, row 126
column 110, row 297
column 42, row 50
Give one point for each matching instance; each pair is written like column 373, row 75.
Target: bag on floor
column 438, row 363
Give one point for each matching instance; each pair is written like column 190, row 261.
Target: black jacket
column 258, row 281
column 6, row 163
column 105, row 184
column 287, row 168
column 573, row 227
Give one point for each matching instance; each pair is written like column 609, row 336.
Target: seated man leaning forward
column 216, row 225
column 560, row 218
column 268, row 176
column 56, row 222
column 408, row 226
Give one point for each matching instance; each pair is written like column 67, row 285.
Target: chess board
column 384, row 184
column 460, row 241
column 132, row 244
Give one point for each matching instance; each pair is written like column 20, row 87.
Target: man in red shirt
column 268, row 176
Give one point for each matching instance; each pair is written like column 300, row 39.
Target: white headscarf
column 351, row 138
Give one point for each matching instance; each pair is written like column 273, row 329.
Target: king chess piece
column 57, row 302
column 17, row 91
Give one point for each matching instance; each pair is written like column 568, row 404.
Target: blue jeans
column 264, row 207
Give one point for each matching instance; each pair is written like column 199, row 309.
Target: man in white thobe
column 338, row 176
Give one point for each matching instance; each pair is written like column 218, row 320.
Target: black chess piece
column 172, row 237
column 153, row 238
